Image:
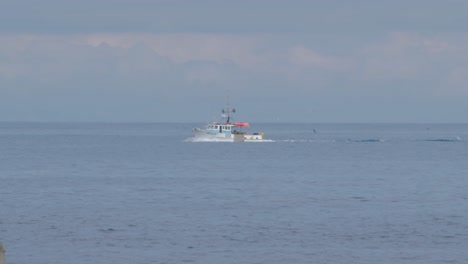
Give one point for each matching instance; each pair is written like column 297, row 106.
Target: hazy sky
column 286, row 61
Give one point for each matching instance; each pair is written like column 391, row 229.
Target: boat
column 227, row 131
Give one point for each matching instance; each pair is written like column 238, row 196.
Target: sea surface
column 110, row 193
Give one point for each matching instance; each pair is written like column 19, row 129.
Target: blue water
column 143, row 193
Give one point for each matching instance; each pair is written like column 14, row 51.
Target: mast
column 228, row 111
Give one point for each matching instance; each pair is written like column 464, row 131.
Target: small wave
column 457, row 139
column 260, row 140
column 366, row 140
column 305, row 141
column 294, row 140
column 108, row 230
column 194, row 139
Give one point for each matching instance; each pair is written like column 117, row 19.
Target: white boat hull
column 203, row 134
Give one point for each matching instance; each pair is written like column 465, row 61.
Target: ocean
column 135, row 193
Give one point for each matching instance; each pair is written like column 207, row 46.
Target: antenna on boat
column 228, row 111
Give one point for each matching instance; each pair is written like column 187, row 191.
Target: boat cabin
column 220, row 128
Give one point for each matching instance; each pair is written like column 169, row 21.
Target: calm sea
column 125, row 193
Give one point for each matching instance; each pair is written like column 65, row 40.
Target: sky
column 360, row 61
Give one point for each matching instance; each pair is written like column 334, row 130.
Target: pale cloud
column 456, row 83
column 411, row 56
column 306, row 57
column 91, row 56
column 244, row 51
column 399, row 56
column 436, row 45
column 188, row 47
column 157, row 68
